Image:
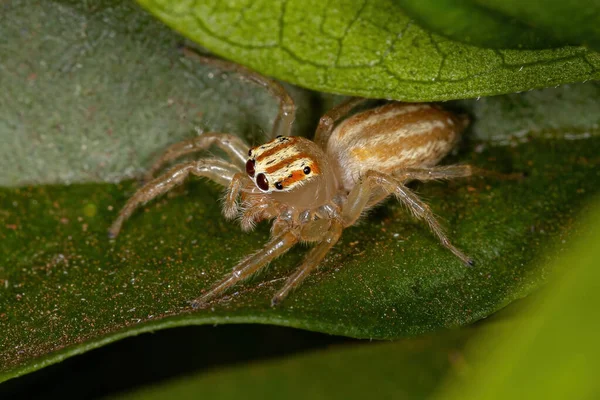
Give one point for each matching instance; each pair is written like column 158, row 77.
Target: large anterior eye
column 262, row 182
column 250, row 168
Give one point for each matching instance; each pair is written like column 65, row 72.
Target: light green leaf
column 553, row 352
column 366, row 48
column 410, row 369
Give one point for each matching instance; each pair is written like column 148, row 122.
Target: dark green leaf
column 547, row 350
column 510, row 23
column 411, row 369
column 366, row 48
column 574, row 22
column 87, row 99
column 474, row 24
column 70, row 289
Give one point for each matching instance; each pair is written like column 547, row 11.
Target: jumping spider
column 315, row 189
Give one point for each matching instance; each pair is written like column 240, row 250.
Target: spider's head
column 282, row 164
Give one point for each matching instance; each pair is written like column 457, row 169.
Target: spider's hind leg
column 329, row 119
column 359, row 197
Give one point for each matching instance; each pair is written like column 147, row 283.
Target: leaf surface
column 367, row 48
column 546, row 349
column 89, row 99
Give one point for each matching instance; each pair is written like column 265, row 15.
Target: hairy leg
column 277, row 246
column 450, row 172
column 445, row 172
column 328, row 120
column 236, row 185
column 257, row 211
column 327, row 240
column 358, row 200
column 235, row 147
column 427, row 174
column 219, row 171
column 287, row 109
column 437, row 173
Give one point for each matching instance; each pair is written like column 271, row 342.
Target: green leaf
column 88, row 99
column 365, row 48
column 569, row 21
column 474, row 24
column 407, row 369
column 546, row 350
column 553, row 353
column 509, row 23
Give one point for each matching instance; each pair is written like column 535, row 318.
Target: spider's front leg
column 217, row 170
column 235, row 148
column 277, row 246
column 282, row 125
column 326, row 232
column 360, row 195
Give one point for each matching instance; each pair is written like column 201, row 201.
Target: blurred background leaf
column 574, row 22
column 551, row 352
column 536, row 24
column 406, row 369
column 472, row 23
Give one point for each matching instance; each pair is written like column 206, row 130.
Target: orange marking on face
column 296, row 176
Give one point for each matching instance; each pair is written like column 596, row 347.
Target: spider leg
column 231, row 144
column 277, row 246
column 328, row 120
column 440, row 173
column 219, row 171
column 327, row 240
column 260, row 211
column 359, row 197
column 450, row 172
column 282, row 125
column 437, row 173
column 427, row 174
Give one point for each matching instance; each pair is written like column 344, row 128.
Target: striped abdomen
column 392, row 137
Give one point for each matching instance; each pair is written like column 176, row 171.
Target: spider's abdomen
column 392, row 137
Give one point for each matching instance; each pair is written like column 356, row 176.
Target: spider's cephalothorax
column 293, row 170
column 283, row 164
column 315, row 189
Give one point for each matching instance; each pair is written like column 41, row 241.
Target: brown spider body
column 393, row 137
column 315, row 189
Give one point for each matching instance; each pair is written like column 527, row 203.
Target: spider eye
column 306, row 170
column 250, row 167
column 249, row 152
column 262, row 182
column 278, row 185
